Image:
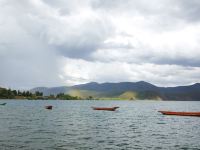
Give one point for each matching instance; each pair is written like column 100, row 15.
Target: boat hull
column 49, row 107
column 105, row 108
column 195, row 114
column 3, row 104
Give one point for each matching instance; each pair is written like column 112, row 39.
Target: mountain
column 122, row 86
column 126, row 90
column 191, row 92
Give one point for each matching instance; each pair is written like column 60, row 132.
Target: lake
column 73, row 125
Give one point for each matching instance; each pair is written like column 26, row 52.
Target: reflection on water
column 74, row 125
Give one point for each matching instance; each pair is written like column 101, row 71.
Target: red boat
column 197, row 114
column 105, row 108
column 49, row 107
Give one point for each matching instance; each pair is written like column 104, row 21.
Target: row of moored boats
column 197, row 114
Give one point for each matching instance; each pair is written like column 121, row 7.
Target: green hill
column 128, row 95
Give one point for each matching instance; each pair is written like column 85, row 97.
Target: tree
column 37, row 93
column 66, row 97
column 14, row 92
column 19, row 93
column 90, row 97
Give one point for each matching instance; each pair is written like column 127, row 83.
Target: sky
column 66, row 42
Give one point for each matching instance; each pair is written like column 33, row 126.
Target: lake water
column 71, row 125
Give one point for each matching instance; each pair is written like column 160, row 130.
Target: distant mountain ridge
column 116, row 86
column 126, row 90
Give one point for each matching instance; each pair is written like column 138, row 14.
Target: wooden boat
column 105, row 108
column 49, row 107
column 3, row 104
column 197, row 114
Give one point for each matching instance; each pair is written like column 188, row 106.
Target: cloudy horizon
column 55, row 43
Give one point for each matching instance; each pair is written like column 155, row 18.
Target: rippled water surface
column 74, row 125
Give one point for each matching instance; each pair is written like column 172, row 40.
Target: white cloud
column 178, row 47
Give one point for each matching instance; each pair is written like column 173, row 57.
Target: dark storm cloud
column 82, row 41
column 189, row 10
column 191, row 62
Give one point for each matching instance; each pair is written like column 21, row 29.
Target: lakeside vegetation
column 17, row 94
column 74, row 95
